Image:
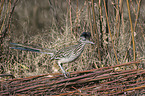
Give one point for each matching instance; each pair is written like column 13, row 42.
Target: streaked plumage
column 65, row 55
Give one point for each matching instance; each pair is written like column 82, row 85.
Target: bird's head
column 85, row 38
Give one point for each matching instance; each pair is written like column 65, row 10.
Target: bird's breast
column 69, row 59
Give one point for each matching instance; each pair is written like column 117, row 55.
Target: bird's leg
column 62, row 70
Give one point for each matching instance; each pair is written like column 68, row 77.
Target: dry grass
column 56, row 24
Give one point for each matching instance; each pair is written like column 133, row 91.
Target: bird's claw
column 66, row 74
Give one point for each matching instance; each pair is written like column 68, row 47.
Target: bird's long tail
column 29, row 48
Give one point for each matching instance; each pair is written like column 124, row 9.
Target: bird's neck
column 81, row 46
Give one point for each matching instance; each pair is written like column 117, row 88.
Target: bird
column 64, row 55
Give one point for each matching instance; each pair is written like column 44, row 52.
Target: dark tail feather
column 28, row 48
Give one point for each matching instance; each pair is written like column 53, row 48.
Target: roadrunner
column 64, row 55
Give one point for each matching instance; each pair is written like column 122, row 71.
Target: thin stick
column 110, row 33
column 132, row 32
column 95, row 30
column 138, row 9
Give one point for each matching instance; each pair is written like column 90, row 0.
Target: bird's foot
column 66, row 74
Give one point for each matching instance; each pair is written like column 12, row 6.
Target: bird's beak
column 91, row 42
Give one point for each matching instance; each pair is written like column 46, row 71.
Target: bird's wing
column 63, row 52
column 30, row 48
